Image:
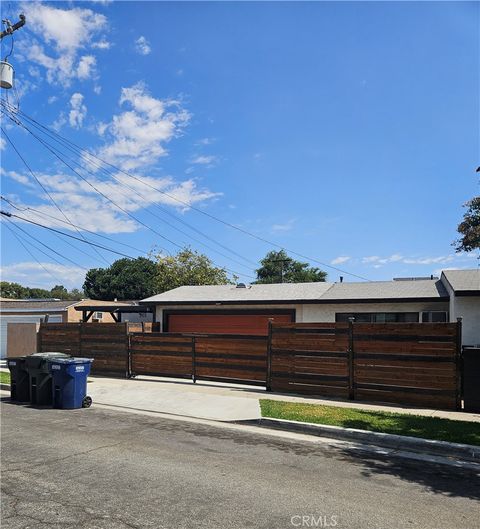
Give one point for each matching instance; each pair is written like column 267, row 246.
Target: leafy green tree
column 187, row 267
column 12, row 290
column 76, row 294
column 17, row 291
column 59, row 291
column 124, row 279
column 38, row 293
column 277, row 267
column 469, row 228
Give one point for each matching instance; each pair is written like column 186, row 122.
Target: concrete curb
column 459, row 451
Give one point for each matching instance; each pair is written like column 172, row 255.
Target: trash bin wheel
column 87, row 402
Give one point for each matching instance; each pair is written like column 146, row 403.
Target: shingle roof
column 386, row 290
column 303, row 292
column 224, row 293
column 12, row 305
column 463, row 280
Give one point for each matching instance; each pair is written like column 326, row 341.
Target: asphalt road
column 104, row 469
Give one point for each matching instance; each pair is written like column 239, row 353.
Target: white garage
column 34, row 311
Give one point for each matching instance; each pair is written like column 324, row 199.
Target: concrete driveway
column 178, row 397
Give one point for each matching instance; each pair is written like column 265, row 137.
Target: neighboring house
column 34, row 311
column 118, row 312
column 246, row 309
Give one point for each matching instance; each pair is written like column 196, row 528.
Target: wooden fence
column 223, row 357
column 234, row 358
column 402, row 363
column 309, row 358
column 161, row 354
column 106, row 343
column 407, row 363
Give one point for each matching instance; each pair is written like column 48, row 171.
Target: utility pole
column 281, row 261
column 12, row 27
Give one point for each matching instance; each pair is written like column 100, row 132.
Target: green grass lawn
column 375, row 421
column 4, row 377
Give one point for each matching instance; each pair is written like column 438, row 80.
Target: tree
column 123, row 279
column 469, row 228
column 188, row 267
column 277, row 267
column 12, row 290
column 59, row 291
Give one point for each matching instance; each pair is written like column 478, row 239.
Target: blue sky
column 344, row 131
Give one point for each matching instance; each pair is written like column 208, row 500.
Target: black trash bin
column 40, row 378
column 19, row 383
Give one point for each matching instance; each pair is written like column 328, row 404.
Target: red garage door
column 224, row 323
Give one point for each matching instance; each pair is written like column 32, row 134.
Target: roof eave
column 301, row 301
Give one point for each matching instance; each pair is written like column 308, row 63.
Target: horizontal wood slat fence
column 402, row 363
column 106, row 343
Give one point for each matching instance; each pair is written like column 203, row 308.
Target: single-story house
column 246, row 309
column 34, row 311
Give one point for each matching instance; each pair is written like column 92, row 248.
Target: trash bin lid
column 72, row 360
column 51, row 354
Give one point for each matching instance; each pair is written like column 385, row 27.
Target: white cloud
column 205, row 141
column 378, row 261
column 43, row 275
column 97, row 89
column 59, row 122
column 66, row 29
column 66, row 32
column 78, row 111
column 85, row 207
column 340, row 260
column 3, row 144
column 52, row 99
column 142, row 46
column 286, row 226
column 208, row 160
column 137, row 137
column 429, row 260
column 86, row 67
column 103, row 44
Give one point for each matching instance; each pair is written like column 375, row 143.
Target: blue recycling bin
column 69, row 387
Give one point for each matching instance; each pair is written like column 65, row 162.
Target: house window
column 98, row 315
column 378, row 317
column 434, row 316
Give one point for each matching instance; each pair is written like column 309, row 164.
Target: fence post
column 268, row 378
column 80, row 339
column 351, row 365
column 459, row 366
column 129, row 352
column 194, row 361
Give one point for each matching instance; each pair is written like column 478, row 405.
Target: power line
column 205, row 213
column 48, row 147
column 38, row 212
column 65, row 234
column 19, row 239
column 78, row 151
column 45, row 189
column 42, row 243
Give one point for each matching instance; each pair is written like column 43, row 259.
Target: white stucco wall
column 317, row 312
column 327, row 312
column 468, row 308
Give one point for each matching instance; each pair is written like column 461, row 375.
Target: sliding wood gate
column 222, row 357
